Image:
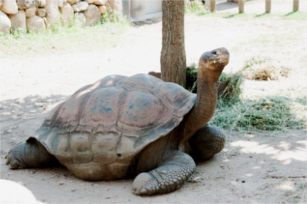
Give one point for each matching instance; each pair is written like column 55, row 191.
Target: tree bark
column 173, row 58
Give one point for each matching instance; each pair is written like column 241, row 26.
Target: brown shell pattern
column 115, row 117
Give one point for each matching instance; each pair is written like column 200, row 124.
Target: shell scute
column 105, row 143
column 80, row 146
column 140, row 110
column 175, row 95
column 102, row 107
column 142, row 81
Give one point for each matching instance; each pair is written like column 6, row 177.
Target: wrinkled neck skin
column 204, row 107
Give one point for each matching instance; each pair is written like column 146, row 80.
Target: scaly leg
column 175, row 169
column 206, row 142
column 29, row 154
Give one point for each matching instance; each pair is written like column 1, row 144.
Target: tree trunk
column 173, row 59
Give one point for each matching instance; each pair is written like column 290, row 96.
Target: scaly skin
column 169, row 176
column 29, row 154
column 206, row 142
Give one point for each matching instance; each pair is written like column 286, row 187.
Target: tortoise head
column 212, row 63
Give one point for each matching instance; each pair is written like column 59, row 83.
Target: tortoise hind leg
column 29, row 154
column 206, row 142
column 175, row 169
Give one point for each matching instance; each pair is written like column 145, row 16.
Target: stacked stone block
column 37, row 14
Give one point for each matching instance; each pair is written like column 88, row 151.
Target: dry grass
column 264, row 68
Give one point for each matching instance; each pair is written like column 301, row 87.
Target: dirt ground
column 267, row 167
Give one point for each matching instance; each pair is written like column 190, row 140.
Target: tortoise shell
column 114, row 118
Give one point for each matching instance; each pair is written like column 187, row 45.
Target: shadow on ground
column 226, row 6
column 266, row 167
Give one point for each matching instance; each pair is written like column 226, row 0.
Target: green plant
column 274, row 113
column 232, row 92
column 191, row 82
column 195, row 7
column 232, row 81
column 59, row 38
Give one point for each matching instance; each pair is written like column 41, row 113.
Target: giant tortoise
column 121, row 127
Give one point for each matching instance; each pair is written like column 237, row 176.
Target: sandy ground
column 267, row 167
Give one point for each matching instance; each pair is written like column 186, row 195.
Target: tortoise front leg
column 29, row 154
column 175, row 169
column 206, row 142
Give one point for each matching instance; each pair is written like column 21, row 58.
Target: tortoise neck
column 204, row 107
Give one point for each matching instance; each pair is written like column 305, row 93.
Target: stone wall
column 37, row 14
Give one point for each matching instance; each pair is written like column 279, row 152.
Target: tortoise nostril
column 119, row 155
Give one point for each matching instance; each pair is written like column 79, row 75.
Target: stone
column 42, row 3
column 100, row 2
column 1, row 3
column 80, row 17
column 72, row 2
column 41, row 12
column 92, row 15
column 9, row 7
column 24, row 4
column 116, row 5
column 18, row 21
column 67, row 14
column 52, row 12
column 5, row 23
column 35, row 23
column 90, row 1
column 81, row 6
column 102, row 9
column 23, row 195
column 30, row 12
column 60, row 3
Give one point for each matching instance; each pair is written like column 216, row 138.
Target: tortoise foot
column 145, row 184
column 13, row 160
column 169, row 176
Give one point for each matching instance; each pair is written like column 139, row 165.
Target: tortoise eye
column 214, row 52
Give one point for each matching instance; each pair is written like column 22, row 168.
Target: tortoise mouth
column 220, row 60
column 216, row 63
column 216, row 57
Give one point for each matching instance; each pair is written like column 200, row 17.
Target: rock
column 116, row 5
column 41, row 12
column 67, row 14
column 9, row 7
column 60, row 3
column 90, row 1
column 1, row 3
column 5, row 23
column 18, row 21
column 42, row 3
column 24, row 4
column 35, row 23
column 72, row 2
column 52, row 12
column 81, row 6
column 92, row 15
column 30, row 12
column 102, row 9
column 100, row 2
column 80, row 17
column 23, row 195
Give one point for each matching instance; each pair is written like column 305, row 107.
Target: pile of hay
column 264, row 68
